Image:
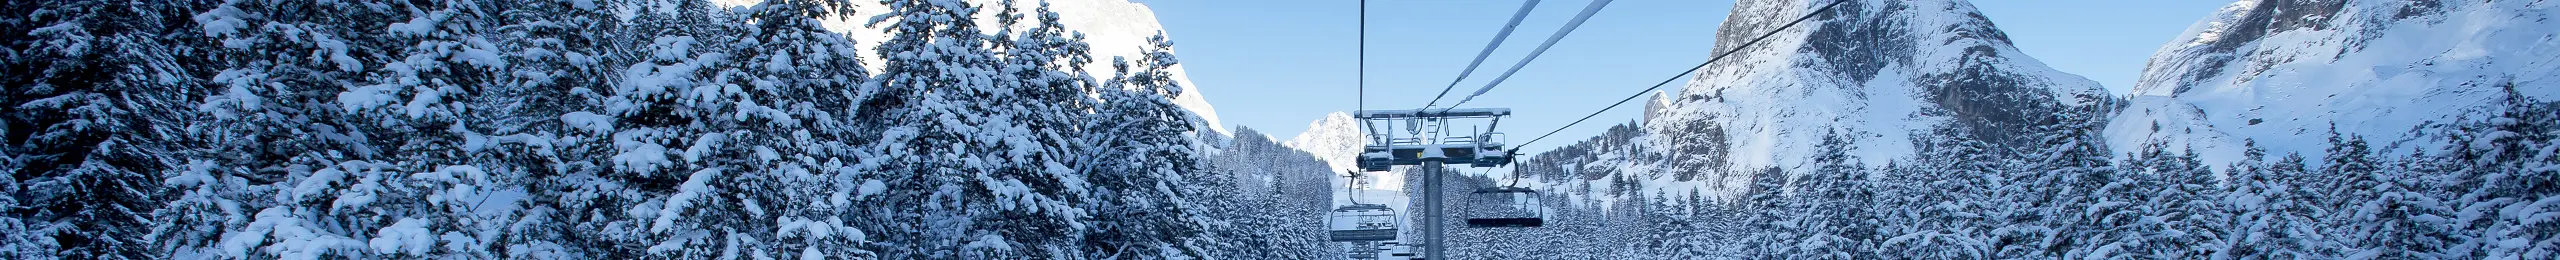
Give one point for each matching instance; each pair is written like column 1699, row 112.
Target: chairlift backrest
column 1364, row 207
column 1506, row 189
column 1523, row 210
column 1363, row 222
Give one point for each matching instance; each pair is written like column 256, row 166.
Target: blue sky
column 1274, row 66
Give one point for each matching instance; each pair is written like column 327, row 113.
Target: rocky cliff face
column 1882, row 73
column 2283, row 73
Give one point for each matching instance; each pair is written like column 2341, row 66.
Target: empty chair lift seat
column 1514, row 207
column 1363, row 222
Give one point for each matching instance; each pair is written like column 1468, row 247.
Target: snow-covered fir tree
column 1141, row 158
column 1836, row 222
column 93, row 91
column 605, row 129
column 695, row 129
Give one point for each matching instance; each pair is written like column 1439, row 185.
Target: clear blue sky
column 1274, row 66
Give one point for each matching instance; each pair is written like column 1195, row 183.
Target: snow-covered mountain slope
column 1336, row 140
column 1112, row 27
column 1879, row 72
column 2282, row 72
column 1121, row 28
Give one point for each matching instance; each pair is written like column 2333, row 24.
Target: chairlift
column 1513, row 206
column 1519, row 208
column 1363, row 223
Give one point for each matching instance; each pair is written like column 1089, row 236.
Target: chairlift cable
column 1702, row 65
column 1498, row 37
column 1587, row 11
column 1362, row 80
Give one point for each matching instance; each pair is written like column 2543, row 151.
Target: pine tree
column 564, row 59
column 2271, row 216
column 1766, row 230
column 2115, row 217
column 2508, row 164
column 1276, row 219
column 1945, row 200
column 551, row 129
column 679, row 140
column 1142, row 139
column 2017, row 226
column 92, row 88
column 366, row 162
column 2190, row 222
column 2388, row 214
column 2353, row 173
column 1836, row 198
column 964, row 165
column 2055, row 191
column 788, row 141
column 2401, row 222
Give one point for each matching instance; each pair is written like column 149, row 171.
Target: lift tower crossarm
column 1434, row 113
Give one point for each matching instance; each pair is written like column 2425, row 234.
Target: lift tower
column 1427, row 140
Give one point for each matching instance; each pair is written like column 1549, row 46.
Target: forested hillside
column 609, row 129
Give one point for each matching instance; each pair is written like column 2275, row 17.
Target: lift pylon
column 1427, row 139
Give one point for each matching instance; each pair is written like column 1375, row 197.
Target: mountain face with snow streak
column 1334, row 139
column 1880, row 73
column 1893, row 79
column 1120, row 28
column 2283, row 73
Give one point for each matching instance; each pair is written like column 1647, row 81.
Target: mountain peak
column 1334, row 139
column 1878, row 72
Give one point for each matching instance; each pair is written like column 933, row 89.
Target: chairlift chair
column 1363, row 223
column 1518, row 207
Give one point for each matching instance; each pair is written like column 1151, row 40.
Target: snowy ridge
column 1120, row 28
column 2282, row 72
column 1336, row 141
column 1879, row 72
